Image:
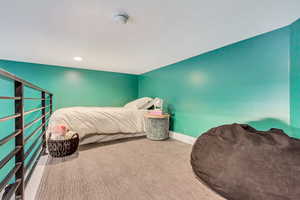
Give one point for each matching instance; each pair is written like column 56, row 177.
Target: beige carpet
column 137, row 169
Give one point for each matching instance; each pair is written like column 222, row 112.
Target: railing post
column 51, row 104
column 19, row 141
column 44, row 118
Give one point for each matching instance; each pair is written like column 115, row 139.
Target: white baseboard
column 183, row 138
column 34, row 182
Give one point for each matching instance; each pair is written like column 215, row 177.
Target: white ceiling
column 159, row 32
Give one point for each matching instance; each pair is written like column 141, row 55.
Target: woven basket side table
column 157, row 126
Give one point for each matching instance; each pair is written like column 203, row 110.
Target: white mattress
column 94, row 124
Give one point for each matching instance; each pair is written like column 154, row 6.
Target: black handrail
column 9, row 137
column 10, row 117
column 32, row 122
column 8, row 157
column 19, row 170
column 11, row 76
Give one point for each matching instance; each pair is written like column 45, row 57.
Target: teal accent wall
column 246, row 82
column 70, row 86
column 295, row 77
column 77, row 87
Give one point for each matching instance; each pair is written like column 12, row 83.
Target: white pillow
column 148, row 105
column 139, row 103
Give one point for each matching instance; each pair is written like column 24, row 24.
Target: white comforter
column 99, row 120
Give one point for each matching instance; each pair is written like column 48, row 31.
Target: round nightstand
column 157, row 126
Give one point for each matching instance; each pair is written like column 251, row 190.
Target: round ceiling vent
column 121, row 18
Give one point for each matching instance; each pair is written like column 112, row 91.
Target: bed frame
column 22, row 171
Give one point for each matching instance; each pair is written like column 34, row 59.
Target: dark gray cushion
column 242, row 163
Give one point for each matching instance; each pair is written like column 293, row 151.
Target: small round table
column 157, row 126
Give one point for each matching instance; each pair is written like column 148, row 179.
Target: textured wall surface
column 77, row 87
column 246, row 82
column 295, row 77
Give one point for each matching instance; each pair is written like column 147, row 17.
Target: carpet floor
column 138, row 169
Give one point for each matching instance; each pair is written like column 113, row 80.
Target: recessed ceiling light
column 77, row 58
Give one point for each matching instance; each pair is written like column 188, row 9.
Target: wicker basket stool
column 61, row 148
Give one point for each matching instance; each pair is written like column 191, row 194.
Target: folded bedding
column 99, row 120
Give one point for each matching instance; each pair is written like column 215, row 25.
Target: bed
column 99, row 124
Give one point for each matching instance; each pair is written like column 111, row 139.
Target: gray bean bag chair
column 242, row 163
